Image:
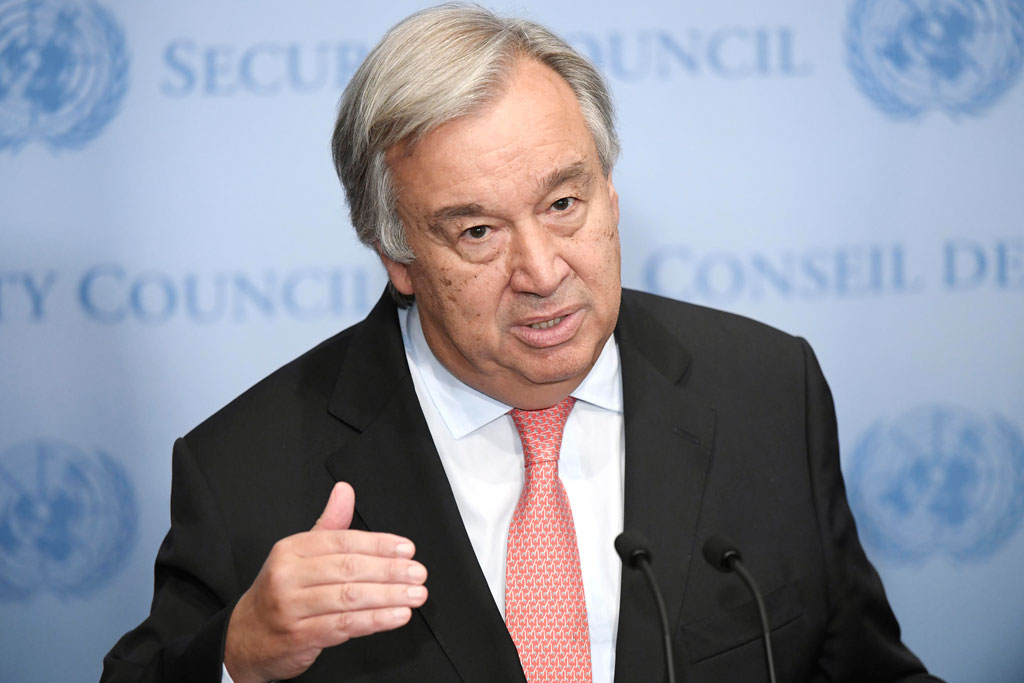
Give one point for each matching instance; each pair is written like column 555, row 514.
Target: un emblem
column 67, row 520
column 63, row 71
column 958, row 56
column 938, row 480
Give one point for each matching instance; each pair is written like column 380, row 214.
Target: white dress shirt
column 483, row 457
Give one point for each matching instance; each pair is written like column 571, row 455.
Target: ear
column 398, row 273
column 613, row 197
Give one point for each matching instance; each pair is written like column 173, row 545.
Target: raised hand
column 318, row 589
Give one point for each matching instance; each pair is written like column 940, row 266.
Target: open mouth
column 544, row 334
column 547, row 323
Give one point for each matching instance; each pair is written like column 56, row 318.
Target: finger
column 349, row 568
column 354, row 541
column 338, row 512
column 354, row 597
column 327, row 630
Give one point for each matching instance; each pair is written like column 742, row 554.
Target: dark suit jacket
column 729, row 429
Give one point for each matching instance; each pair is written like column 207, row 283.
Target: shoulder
column 296, row 400
column 305, row 380
column 721, row 358
column 704, row 331
column 268, row 448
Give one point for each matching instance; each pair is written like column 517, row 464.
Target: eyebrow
column 458, row 211
column 575, row 172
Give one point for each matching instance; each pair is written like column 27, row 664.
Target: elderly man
column 499, row 417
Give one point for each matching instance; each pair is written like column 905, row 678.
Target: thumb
column 337, row 513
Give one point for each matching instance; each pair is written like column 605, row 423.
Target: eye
column 564, row 204
column 477, row 232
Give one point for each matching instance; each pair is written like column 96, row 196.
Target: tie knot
column 541, row 430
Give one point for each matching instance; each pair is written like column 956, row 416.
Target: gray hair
column 437, row 65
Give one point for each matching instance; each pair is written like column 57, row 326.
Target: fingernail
column 400, row 613
column 417, row 572
column 405, row 549
column 416, row 592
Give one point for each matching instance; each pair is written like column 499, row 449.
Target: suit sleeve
column 862, row 642
column 194, row 592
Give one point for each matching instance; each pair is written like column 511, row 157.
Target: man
column 476, row 154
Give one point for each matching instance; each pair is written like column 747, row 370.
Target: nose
column 536, row 261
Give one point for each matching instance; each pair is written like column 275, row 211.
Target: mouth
column 547, row 323
column 551, row 332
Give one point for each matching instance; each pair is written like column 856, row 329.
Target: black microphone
column 723, row 555
column 632, row 548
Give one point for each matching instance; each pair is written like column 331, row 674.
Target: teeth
column 547, row 323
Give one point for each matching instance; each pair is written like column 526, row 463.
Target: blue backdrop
column 172, row 230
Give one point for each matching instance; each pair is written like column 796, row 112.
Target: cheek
column 447, row 289
column 435, row 280
column 463, row 297
column 605, row 253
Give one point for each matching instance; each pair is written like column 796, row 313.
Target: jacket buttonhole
column 692, row 438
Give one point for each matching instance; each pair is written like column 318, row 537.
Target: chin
column 556, row 371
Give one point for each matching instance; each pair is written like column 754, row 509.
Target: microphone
column 723, row 555
column 632, row 548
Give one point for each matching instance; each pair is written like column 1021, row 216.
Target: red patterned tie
column 545, row 610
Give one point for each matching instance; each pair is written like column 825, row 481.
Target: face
column 515, row 231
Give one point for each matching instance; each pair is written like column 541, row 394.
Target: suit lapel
column 668, row 451
column 401, row 487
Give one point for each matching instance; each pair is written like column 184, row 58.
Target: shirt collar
column 464, row 409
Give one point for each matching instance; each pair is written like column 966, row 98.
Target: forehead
column 513, row 147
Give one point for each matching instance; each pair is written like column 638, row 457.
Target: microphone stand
column 632, row 548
